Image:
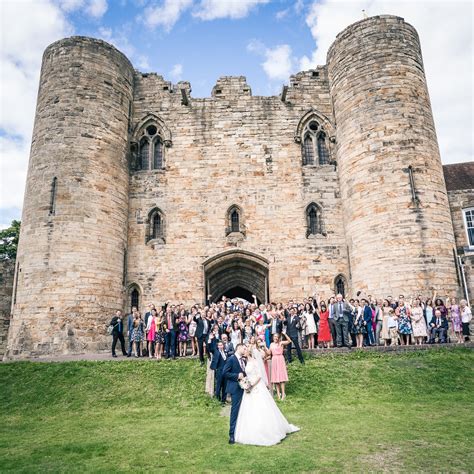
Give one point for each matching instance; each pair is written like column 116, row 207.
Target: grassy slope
column 358, row 412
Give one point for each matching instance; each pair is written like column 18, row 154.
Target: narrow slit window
column 412, row 185
column 157, row 228
column 313, row 216
column 134, row 298
column 52, row 203
column 340, row 286
column 234, row 221
column 313, row 221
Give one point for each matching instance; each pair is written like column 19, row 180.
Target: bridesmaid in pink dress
column 279, row 375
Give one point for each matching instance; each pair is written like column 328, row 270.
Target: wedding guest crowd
column 316, row 322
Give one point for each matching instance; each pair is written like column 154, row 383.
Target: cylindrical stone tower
column 70, row 263
column 396, row 212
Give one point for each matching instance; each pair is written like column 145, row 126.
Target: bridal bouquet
column 245, row 384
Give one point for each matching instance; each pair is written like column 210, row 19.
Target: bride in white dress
column 260, row 422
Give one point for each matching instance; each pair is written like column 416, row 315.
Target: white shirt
column 466, row 314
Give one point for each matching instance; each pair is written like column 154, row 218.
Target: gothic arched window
column 150, row 150
column 313, row 220
column 157, row 230
column 155, row 225
column 135, row 298
column 340, row 285
column 234, row 221
column 315, row 147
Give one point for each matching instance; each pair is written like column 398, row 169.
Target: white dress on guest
column 260, row 422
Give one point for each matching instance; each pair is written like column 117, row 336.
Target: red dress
column 324, row 334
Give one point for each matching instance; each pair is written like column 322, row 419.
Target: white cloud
column 165, row 14
column 298, row 6
column 96, row 8
column 24, row 38
column 177, row 72
column 279, row 63
column 279, row 15
column 71, row 5
column 212, row 9
column 143, row 62
column 13, row 167
column 445, row 30
column 93, row 8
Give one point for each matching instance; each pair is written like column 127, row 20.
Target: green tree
column 9, row 241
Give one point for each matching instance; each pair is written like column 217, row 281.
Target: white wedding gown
column 260, row 422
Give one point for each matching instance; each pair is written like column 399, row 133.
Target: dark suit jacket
column 346, row 311
column 118, row 326
column 444, row 322
column 130, row 319
column 229, row 349
column 174, row 321
column 368, row 315
column 292, row 327
column 200, row 327
column 231, row 372
column 217, row 361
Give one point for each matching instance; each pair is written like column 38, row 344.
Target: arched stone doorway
column 236, row 273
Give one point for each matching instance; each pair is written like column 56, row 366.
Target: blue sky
column 201, row 40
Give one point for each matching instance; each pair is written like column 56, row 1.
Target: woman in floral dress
column 360, row 328
column 404, row 323
column 455, row 317
column 418, row 322
column 137, row 334
column 159, row 336
column 182, row 335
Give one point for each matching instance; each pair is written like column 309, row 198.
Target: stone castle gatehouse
column 137, row 191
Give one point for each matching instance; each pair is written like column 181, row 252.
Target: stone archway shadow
column 236, row 273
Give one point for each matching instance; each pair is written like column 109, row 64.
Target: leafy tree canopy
column 9, row 241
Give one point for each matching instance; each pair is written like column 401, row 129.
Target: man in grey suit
column 342, row 311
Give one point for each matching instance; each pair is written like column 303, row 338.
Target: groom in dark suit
column 234, row 370
column 292, row 330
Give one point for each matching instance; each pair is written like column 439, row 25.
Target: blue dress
column 404, row 321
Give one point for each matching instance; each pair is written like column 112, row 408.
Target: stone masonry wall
column 7, row 273
column 71, row 254
column 83, row 243
column 234, row 148
column 398, row 242
column 459, row 200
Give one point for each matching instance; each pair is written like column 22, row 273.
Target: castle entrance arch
column 236, row 273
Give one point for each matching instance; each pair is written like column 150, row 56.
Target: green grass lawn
column 357, row 412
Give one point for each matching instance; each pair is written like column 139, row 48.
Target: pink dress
column 151, row 332
column 279, row 373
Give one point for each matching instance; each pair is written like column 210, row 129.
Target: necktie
column 223, row 355
column 242, row 365
column 340, row 309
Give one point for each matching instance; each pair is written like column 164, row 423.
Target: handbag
column 110, row 329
